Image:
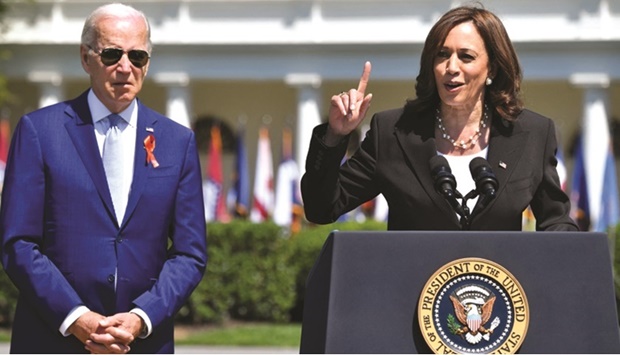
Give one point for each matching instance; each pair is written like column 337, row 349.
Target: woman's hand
column 348, row 109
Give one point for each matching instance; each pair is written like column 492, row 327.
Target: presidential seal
column 473, row 305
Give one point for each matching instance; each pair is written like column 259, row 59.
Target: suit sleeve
column 551, row 205
column 330, row 188
column 187, row 255
column 21, row 230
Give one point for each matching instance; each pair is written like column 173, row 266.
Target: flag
column 580, row 209
column 239, row 195
column 215, row 209
column 263, row 196
column 528, row 221
column 609, row 215
column 287, row 210
column 598, row 164
column 381, row 209
column 561, row 168
column 4, row 147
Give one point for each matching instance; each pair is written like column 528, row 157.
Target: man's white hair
column 116, row 10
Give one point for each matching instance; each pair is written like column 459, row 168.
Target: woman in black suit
column 468, row 105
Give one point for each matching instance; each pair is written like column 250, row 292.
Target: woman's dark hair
column 503, row 95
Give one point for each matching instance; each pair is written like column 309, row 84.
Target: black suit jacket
column 394, row 159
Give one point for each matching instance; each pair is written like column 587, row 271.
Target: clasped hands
column 112, row 335
column 348, row 109
column 107, row 335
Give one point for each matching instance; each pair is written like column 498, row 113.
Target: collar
column 98, row 110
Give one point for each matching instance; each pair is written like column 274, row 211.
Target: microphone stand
column 480, row 205
column 471, row 194
column 461, row 209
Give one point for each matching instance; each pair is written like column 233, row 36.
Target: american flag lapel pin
column 502, row 165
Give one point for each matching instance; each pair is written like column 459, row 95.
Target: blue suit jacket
column 61, row 243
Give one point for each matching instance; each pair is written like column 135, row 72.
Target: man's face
column 118, row 84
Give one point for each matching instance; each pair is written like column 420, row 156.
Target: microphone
column 445, row 184
column 486, row 183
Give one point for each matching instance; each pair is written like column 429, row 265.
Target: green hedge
column 307, row 246
column 255, row 272
column 8, row 298
column 249, row 275
column 258, row 271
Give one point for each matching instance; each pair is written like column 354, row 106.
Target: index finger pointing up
column 364, row 79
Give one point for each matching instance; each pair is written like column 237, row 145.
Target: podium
column 362, row 294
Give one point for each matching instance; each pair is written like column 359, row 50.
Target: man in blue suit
column 102, row 260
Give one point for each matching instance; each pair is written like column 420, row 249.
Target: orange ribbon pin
column 149, row 146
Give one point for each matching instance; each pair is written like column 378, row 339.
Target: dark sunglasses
column 111, row 56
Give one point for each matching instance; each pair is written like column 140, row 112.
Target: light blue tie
column 113, row 164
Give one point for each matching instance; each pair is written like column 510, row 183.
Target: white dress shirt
column 128, row 126
column 459, row 164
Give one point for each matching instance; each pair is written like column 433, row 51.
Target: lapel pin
column 150, row 129
column 502, row 165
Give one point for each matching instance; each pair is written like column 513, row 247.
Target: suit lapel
column 418, row 145
column 82, row 132
column 141, row 168
column 504, row 154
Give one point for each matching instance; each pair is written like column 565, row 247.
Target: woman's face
column 462, row 67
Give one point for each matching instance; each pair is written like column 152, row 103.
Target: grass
column 5, row 335
column 231, row 334
column 242, row 334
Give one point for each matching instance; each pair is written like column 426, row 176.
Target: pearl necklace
column 462, row 144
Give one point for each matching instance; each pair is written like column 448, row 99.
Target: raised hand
column 348, row 109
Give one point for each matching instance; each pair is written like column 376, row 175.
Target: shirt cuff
column 147, row 322
column 75, row 313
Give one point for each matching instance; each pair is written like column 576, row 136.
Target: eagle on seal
column 473, row 314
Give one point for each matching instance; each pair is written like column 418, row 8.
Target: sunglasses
column 111, row 56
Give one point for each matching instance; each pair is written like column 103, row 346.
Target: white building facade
column 277, row 62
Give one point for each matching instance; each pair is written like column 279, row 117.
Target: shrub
column 307, row 246
column 249, row 275
column 255, row 272
column 8, row 299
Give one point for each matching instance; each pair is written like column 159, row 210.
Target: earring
column 489, row 81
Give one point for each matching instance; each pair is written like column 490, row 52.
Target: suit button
column 110, row 278
column 119, row 239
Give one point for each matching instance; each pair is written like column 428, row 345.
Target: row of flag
column 594, row 186
column 280, row 203
column 594, row 195
column 283, row 204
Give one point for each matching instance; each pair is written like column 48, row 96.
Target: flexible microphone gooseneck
column 486, row 183
column 445, row 184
